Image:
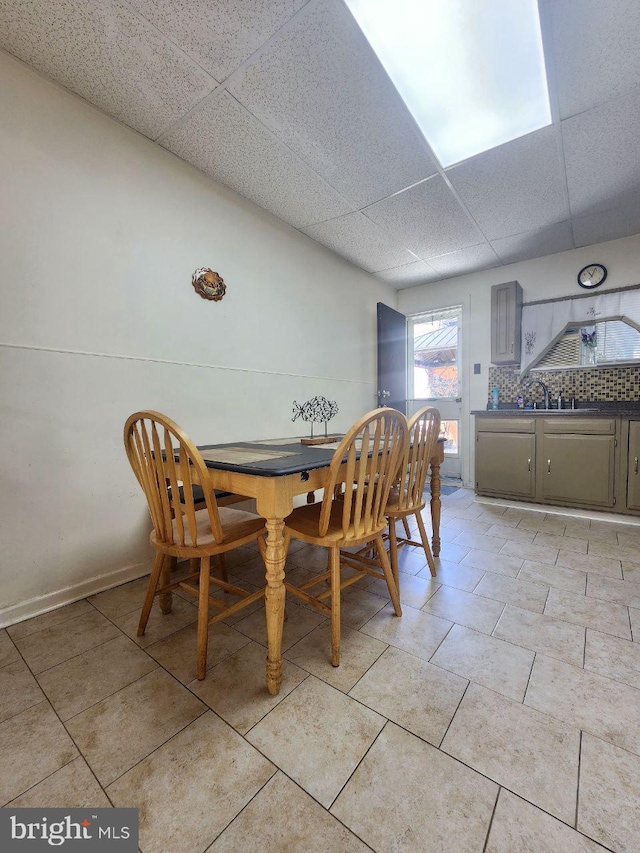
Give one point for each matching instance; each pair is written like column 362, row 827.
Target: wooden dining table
column 274, row 472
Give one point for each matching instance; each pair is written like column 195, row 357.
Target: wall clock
column 592, row 276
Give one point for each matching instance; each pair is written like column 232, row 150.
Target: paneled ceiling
column 285, row 102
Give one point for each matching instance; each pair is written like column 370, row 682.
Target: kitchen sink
column 557, row 411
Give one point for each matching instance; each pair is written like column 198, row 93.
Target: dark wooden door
column 392, row 358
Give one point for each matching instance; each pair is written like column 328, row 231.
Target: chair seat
column 236, row 524
column 303, row 524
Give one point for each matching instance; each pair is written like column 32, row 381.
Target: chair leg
column 386, row 568
column 222, row 568
column 406, row 527
column 165, row 598
column 393, row 551
column 334, row 566
column 425, row 545
column 203, row 617
column 151, row 591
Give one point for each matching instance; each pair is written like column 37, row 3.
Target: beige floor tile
column 566, row 543
column 631, row 572
column 605, row 616
column 517, row 534
column 309, row 827
column 236, row 688
column 519, row 827
column 500, row 564
column 452, row 553
column 415, row 632
column 18, row 690
column 33, row 745
column 634, row 617
column 557, row 576
column 598, row 526
column 177, row 653
column 541, row 633
column 448, row 532
column 519, row 748
column 609, row 536
column 525, row 513
column 121, row 599
column 464, row 524
column 613, row 657
column 598, row 705
column 63, row 641
column 252, row 571
column 206, row 775
column 609, row 795
column 480, row 543
column 530, row 596
column 406, row 796
column 86, row 679
column 124, row 728
column 357, row 606
column 8, row 652
column 411, row 560
column 615, row 552
column 465, row 608
column 72, row 787
column 612, row 589
column 457, row 575
column 554, row 526
column 312, row 558
column 317, row 736
column 160, row 624
column 299, row 622
column 537, row 553
column 48, row 620
column 357, row 653
column 458, row 510
column 414, row 694
column 414, row 590
column 485, row 660
column 591, row 563
column 628, row 536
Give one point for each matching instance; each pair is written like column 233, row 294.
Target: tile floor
column 501, row 713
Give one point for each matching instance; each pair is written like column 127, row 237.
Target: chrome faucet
column 539, row 382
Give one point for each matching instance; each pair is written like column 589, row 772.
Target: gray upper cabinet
column 506, row 319
column 633, row 473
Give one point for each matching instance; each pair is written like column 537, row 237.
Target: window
column 606, row 342
column 433, row 340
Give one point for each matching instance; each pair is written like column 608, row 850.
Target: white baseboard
column 51, row 601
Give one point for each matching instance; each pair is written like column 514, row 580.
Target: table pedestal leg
column 435, row 506
column 274, row 596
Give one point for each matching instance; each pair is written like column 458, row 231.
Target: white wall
column 541, row 278
column 100, row 231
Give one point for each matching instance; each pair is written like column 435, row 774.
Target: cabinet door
column 505, row 463
column 506, row 316
column 633, row 478
column 578, row 469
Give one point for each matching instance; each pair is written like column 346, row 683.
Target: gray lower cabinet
column 633, row 472
column 505, row 463
column 578, row 469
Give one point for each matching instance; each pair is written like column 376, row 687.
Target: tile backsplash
column 584, row 383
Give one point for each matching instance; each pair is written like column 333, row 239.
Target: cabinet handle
column 529, row 464
column 512, row 346
column 636, row 461
column 548, row 466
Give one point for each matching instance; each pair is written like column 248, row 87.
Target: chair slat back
column 424, row 429
column 373, row 449
column 152, row 442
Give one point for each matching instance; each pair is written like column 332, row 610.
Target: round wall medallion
column 208, row 284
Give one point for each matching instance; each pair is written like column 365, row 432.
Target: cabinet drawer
column 515, row 424
column 579, row 426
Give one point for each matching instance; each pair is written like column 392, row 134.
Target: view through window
column 434, row 365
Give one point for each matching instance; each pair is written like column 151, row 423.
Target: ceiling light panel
column 472, row 73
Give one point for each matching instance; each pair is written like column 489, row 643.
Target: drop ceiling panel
column 360, row 241
column 409, row 275
column 429, row 219
column 595, row 49
column 607, row 225
column 602, row 156
column 474, row 258
column 320, row 88
column 218, row 36
column 108, row 55
column 534, row 244
column 516, row 187
column 228, row 143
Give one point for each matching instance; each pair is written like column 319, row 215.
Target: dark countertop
column 595, row 409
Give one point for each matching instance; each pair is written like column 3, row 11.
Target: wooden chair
column 407, row 498
column 371, row 450
column 153, row 442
